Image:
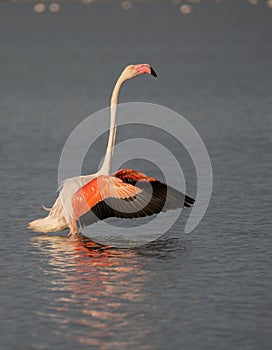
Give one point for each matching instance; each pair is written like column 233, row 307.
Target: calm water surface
column 210, row 289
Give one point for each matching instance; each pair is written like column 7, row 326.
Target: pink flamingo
column 127, row 193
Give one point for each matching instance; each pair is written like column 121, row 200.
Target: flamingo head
column 134, row 70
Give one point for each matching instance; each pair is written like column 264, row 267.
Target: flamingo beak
column 153, row 72
column 145, row 68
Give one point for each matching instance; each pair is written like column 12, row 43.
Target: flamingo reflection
column 90, row 284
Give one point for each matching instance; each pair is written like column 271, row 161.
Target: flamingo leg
column 73, row 230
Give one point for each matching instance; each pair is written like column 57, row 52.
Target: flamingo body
column 127, row 193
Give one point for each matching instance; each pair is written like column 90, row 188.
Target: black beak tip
column 153, row 73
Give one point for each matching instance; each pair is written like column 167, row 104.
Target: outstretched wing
column 126, row 194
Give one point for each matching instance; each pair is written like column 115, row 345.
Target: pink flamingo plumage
column 127, row 193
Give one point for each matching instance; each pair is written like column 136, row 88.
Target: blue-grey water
column 210, row 289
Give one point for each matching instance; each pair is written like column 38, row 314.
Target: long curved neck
column 106, row 167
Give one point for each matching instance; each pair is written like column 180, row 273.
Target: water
column 210, row 289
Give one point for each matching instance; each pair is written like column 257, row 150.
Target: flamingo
column 127, row 193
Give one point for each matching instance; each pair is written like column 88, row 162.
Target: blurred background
column 210, row 289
